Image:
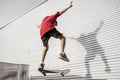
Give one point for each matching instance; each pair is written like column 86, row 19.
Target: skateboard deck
column 61, row 72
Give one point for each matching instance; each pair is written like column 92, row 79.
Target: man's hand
column 71, row 3
column 64, row 10
column 38, row 26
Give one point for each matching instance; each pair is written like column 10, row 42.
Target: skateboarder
column 47, row 30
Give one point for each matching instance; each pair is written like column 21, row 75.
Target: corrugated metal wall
column 92, row 47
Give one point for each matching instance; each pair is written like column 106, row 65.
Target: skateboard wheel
column 44, row 73
column 62, row 74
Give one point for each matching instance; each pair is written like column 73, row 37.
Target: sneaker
column 63, row 57
column 41, row 67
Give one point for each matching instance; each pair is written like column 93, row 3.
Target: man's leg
column 56, row 34
column 45, row 49
column 63, row 42
column 45, row 40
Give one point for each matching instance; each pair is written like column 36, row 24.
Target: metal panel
column 9, row 71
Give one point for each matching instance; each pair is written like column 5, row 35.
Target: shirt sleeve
column 54, row 17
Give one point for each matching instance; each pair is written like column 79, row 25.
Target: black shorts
column 52, row 33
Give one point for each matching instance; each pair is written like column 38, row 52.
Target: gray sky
column 11, row 9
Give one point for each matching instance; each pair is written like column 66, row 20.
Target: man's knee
column 46, row 47
column 61, row 37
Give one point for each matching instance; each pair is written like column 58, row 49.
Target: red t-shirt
column 47, row 23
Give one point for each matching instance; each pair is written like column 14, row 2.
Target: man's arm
column 63, row 11
column 38, row 26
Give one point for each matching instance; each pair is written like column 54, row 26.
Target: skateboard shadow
column 67, row 77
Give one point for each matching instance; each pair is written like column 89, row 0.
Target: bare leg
column 63, row 56
column 45, row 49
column 63, row 41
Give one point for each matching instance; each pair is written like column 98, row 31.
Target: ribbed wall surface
column 92, row 31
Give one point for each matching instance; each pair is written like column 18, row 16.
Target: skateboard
column 61, row 72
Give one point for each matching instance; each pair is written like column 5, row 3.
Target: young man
column 47, row 30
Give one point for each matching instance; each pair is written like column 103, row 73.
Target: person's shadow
column 93, row 48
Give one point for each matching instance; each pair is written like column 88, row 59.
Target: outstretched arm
column 64, row 10
column 99, row 27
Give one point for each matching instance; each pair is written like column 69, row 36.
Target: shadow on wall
column 92, row 47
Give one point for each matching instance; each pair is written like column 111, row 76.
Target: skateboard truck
column 42, row 71
column 62, row 74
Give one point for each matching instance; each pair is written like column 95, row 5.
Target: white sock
column 62, row 52
column 42, row 62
